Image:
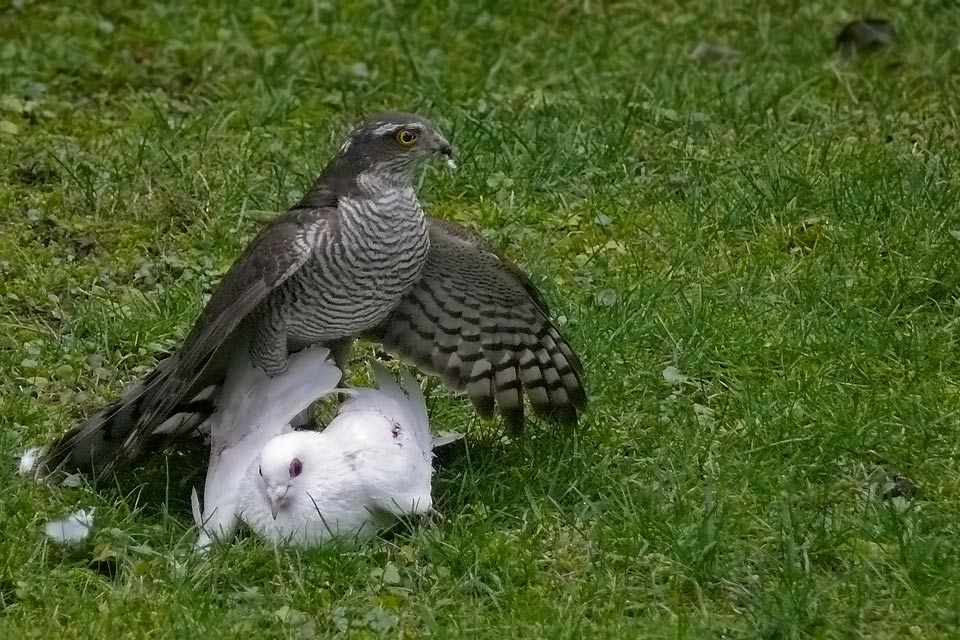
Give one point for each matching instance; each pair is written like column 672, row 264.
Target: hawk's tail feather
column 101, row 442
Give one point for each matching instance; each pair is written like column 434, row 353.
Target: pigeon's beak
column 276, row 496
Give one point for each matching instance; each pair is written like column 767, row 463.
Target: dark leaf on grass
column 807, row 234
column 33, row 174
column 8, row 593
column 898, row 487
column 83, row 245
column 865, row 35
column 107, row 567
column 44, row 230
column 679, row 185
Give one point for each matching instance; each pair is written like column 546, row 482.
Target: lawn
column 757, row 258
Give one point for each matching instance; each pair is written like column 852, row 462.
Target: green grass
column 784, row 231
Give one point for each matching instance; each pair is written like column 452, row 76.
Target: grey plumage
column 355, row 258
column 476, row 320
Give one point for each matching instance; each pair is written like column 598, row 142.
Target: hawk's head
column 389, row 147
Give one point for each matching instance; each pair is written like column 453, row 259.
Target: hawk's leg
column 340, row 350
column 341, row 356
column 268, row 347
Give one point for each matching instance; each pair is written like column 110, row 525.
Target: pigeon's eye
column 406, row 137
column 295, row 467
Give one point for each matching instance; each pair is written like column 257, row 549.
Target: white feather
column 446, row 439
column 72, row 529
column 28, row 461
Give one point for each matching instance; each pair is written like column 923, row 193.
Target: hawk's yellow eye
column 406, row 138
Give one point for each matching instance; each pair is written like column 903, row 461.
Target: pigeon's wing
column 391, row 433
column 480, row 323
column 398, row 479
column 253, row 409
column 362, row 422
column 118, row 432
column 417, row 411
column 253, row 401
column 392, row 468
column 402, row 405
column 409, row 409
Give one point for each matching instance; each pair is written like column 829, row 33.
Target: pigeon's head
column 388, row 148
column 282, row 463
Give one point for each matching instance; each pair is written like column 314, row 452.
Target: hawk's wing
column 119, row 431
column 275, row 254
column 477, row 321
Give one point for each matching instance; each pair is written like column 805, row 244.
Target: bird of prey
column 355, row 258
column 252, row 409
column 370, row 465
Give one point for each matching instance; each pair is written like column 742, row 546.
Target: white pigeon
column 370, row 465
column 252, row 409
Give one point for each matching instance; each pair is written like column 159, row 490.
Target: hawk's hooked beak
column 447, row 152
